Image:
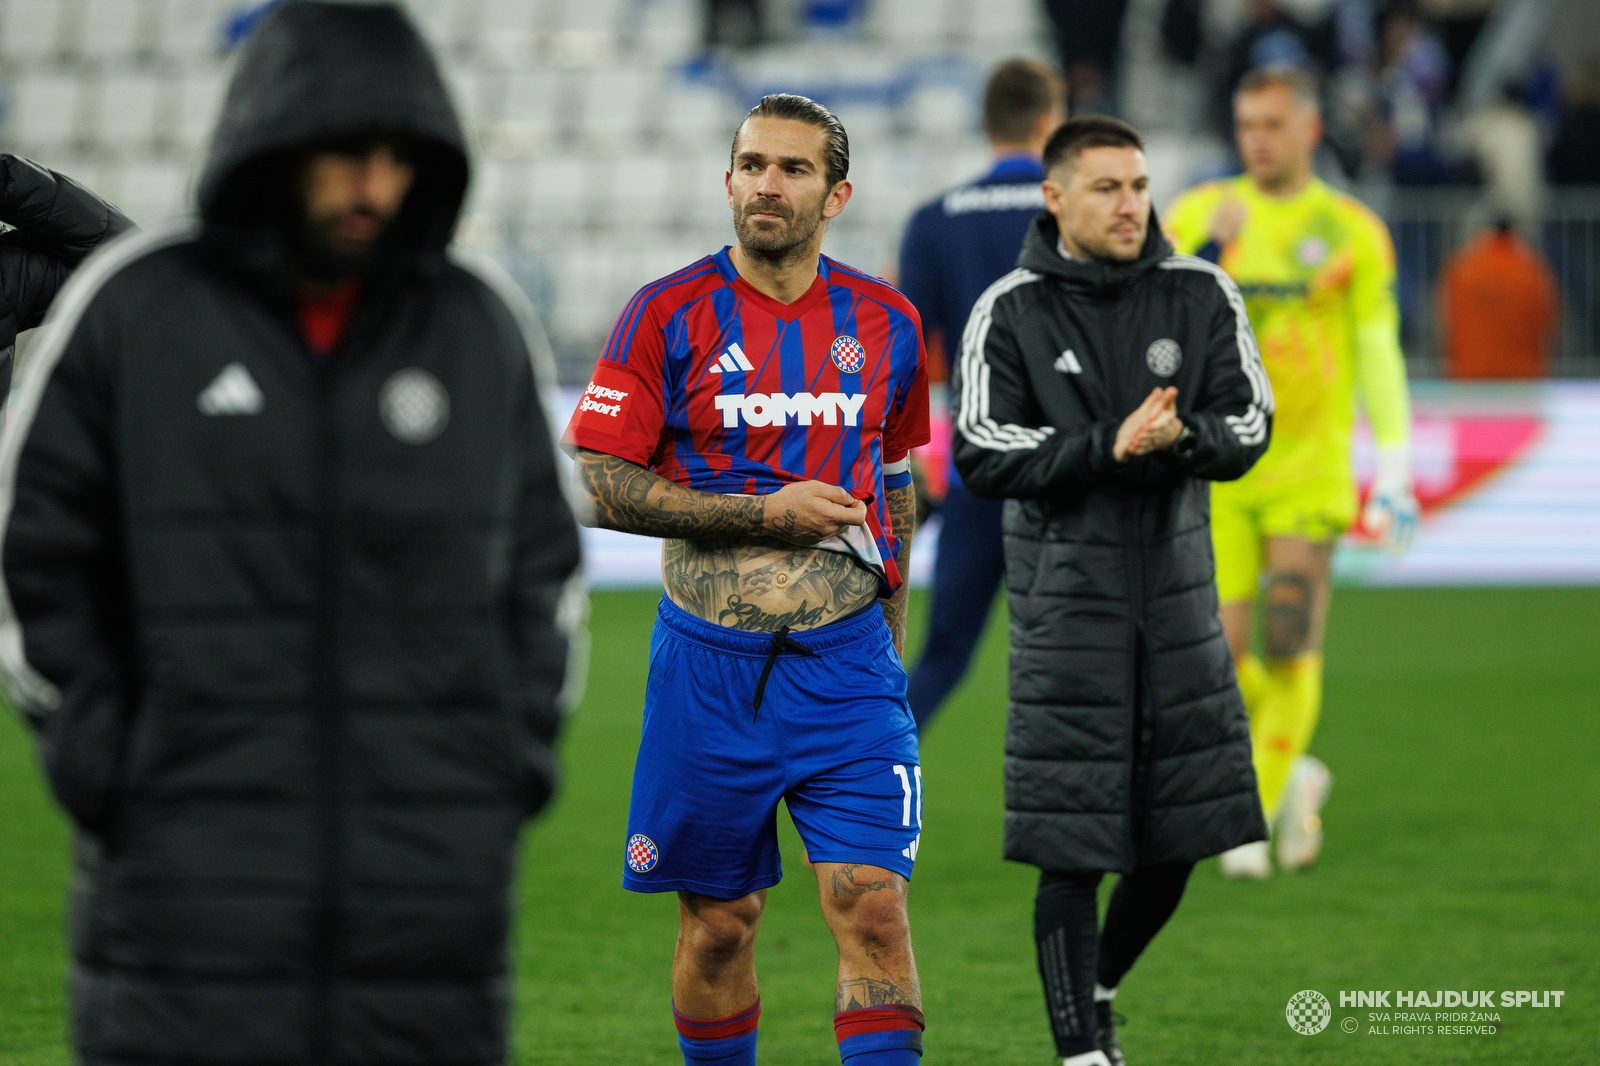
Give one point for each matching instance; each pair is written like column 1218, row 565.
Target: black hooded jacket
column 56, row 224
column 292, row 634
column 1126, row 741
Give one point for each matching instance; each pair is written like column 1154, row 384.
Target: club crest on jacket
column 414, row 406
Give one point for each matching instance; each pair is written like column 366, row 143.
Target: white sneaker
column 1247, row 860
column 1300, row 820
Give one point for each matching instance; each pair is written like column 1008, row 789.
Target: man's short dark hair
column 1300, row 83
column 1018, row 92
column 836, row 149
column 1088, row 131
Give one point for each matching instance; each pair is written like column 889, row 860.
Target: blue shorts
column 834, row 740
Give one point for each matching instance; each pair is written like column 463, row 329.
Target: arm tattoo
column 845, row 883
column 630, row 498
column 861, row 992
column 902, row 505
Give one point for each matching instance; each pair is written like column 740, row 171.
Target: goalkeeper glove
column 1392, row 514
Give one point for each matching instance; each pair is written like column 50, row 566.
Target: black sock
column 1066, row 934
column 1140, row 905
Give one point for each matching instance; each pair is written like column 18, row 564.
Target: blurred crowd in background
column 1472, row 126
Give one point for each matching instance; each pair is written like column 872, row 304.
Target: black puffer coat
column 294, row 632
column 1127, row 741
column 57, row 224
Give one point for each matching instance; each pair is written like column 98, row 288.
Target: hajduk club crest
column 642, row 854
column 848, row 355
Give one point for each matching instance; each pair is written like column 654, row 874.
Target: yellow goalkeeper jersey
column 1317, row 273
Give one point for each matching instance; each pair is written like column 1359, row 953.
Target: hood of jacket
column 1041, row 253
column 317, row 73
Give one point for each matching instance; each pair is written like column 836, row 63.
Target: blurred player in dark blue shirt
column 954, row 248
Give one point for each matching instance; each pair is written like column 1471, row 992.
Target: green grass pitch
column 1463, row 730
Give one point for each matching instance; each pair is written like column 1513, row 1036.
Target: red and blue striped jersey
column 718, row 387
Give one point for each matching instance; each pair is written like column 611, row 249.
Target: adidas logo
column 1067, row 363
column 232, row 392
column 732, row 360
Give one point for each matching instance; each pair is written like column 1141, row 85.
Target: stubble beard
column 782, row 244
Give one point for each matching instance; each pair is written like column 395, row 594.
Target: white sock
column 1102, row 994
column 1088, row 1058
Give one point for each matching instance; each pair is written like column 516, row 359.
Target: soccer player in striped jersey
column 757, row 411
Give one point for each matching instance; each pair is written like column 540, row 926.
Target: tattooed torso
column 761, row 586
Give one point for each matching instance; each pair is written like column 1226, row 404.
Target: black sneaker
column 1106, row 1022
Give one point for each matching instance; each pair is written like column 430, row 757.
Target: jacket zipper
column 326, row 727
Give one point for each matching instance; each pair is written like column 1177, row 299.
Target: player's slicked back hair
column 1301, row 84
column 1088, row 131
column 1018, row 92
column 835, row 153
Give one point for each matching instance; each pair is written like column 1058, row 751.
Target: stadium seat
column 154, row 191
column 940, row 112
column 500, row 187
column 614, row 100
column 910, row 24
column 185, row 29
column 559, row 190
column 31, row 29
column 695, row 115
column 666, row 30
column 1004, row 24
column 130, row 108
column 526, row 114
column 198, row 101
column 45, row 112
column 437, row 19
column 506, row 30
column 639, row 192
column 110, row 29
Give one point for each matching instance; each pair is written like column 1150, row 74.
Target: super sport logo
column 760, row 409
column 600, row 392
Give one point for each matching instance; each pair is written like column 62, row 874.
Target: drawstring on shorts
column 781, row 642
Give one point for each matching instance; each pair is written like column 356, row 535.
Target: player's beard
column 322, row 254
column 782, row 243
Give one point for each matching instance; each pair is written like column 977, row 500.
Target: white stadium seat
column 527, row 111
column 559, row 190
column 506, row 30
column 697, row 115
column 31, row 29
column 941, row 111
column 110, row 28
column 614, row 101
column 437, row 19
column 197, row 103
column 131, row 106
column 44, row 111
column 189, row 28
column 154, row 191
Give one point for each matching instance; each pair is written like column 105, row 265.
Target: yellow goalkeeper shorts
column 1242, row 514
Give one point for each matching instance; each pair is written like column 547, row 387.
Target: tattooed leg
column 865, row 907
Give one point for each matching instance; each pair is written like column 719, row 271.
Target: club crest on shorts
column 1164, row 357
column 848, row 355
column 642, row 854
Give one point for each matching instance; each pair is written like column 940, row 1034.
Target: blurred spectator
column 1414, row 85
column 1575, row 156
column 1269, row 38
column 1498, row 308
column 736, row 23
column 1088, row 36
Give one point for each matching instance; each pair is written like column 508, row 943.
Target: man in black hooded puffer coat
column 1100, row 387
column 288, row 574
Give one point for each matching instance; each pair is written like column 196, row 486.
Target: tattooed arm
column 630, row 498
column 902, row 504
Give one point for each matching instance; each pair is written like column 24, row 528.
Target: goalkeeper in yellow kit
column 1317, row 272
